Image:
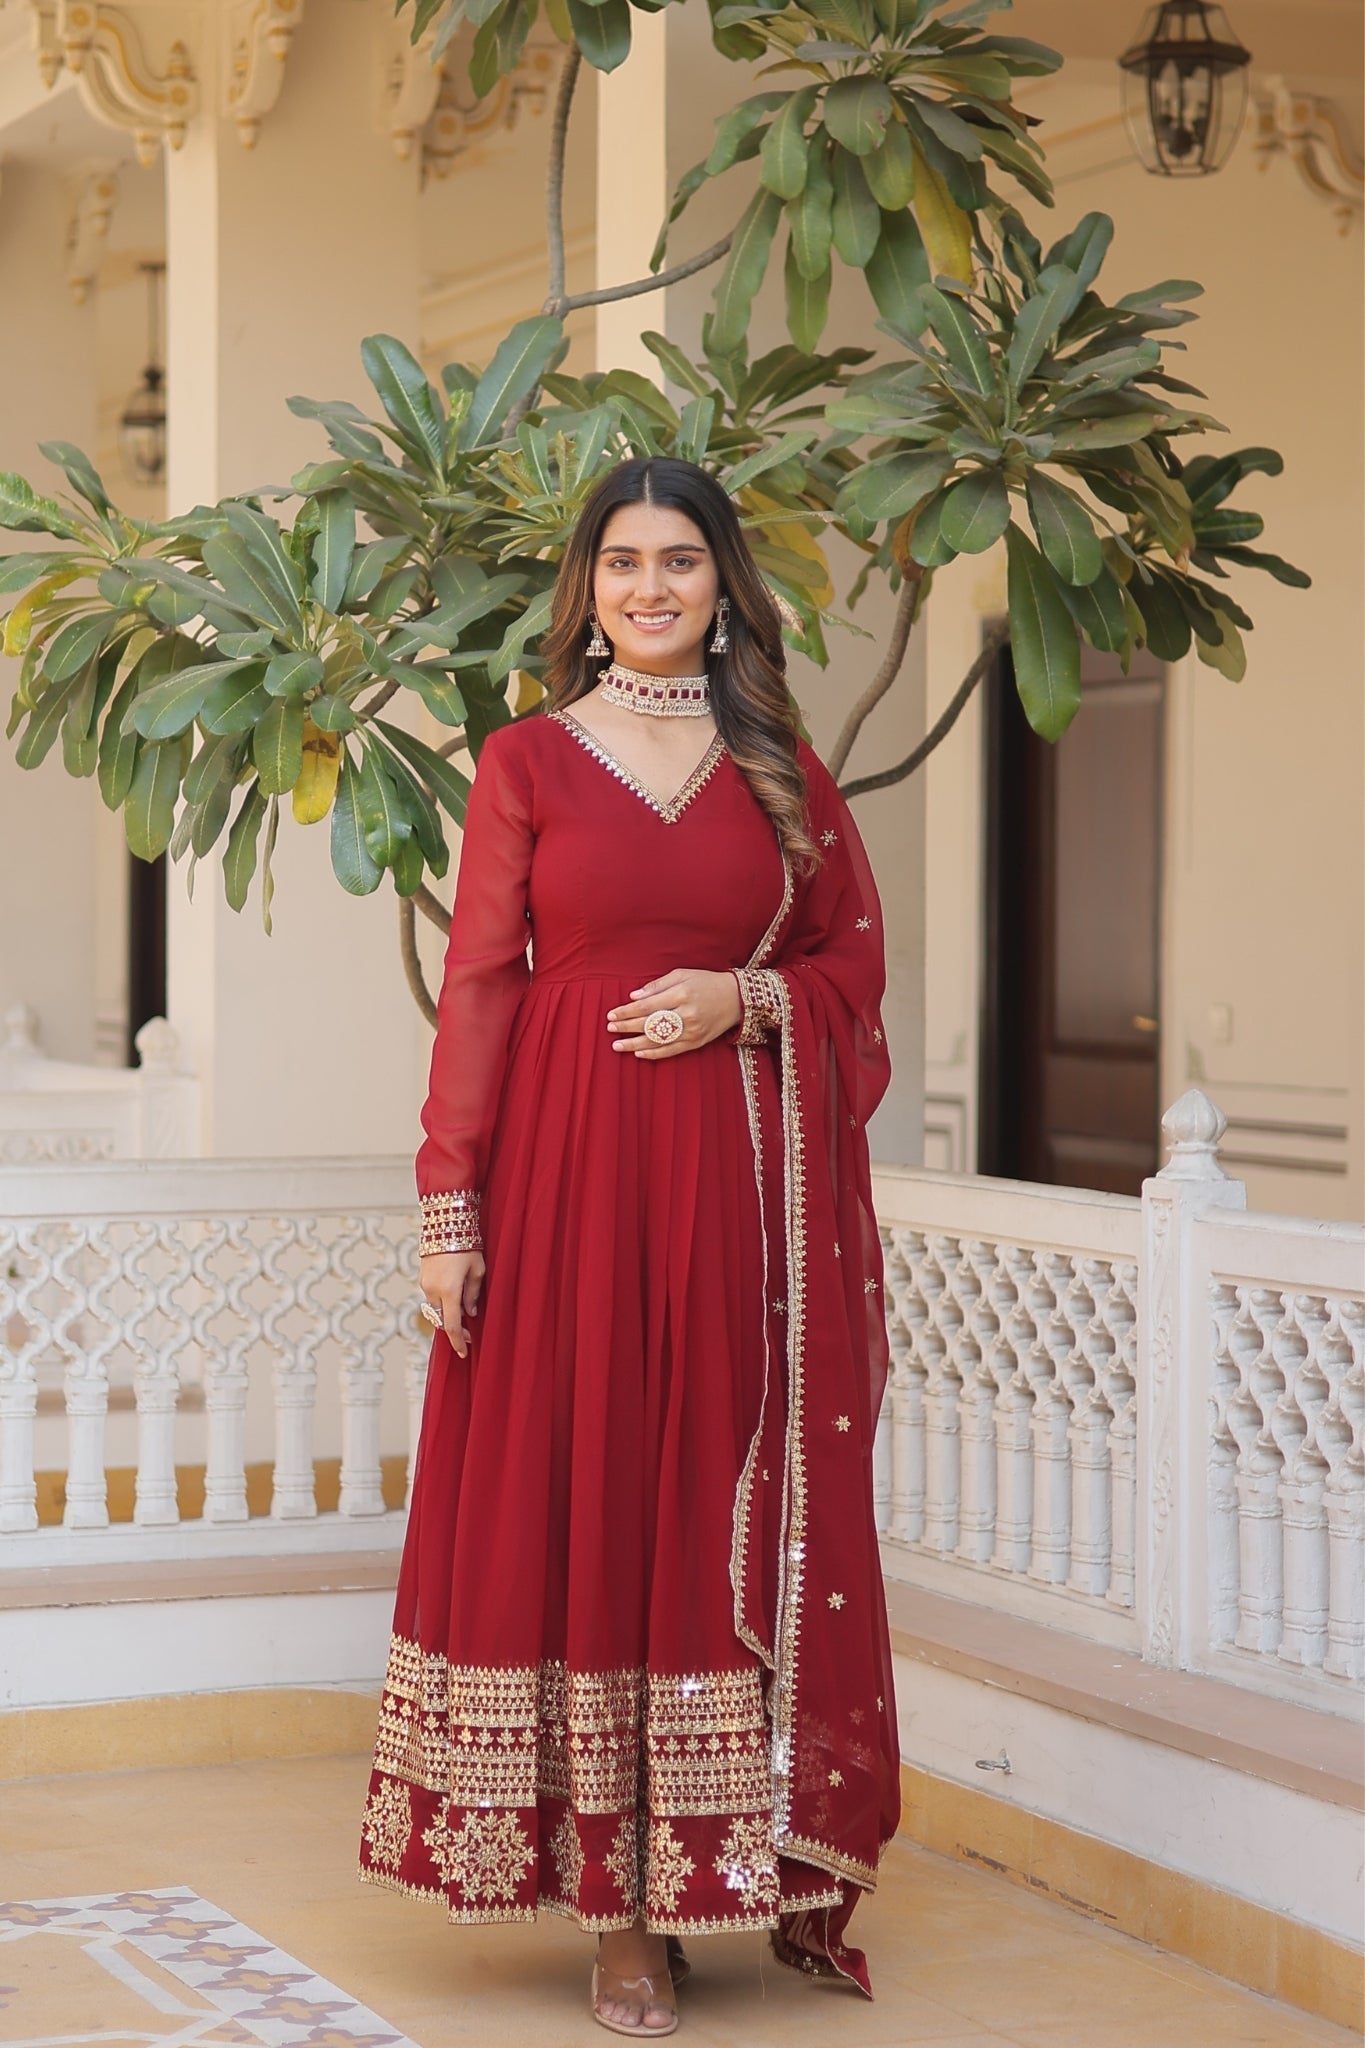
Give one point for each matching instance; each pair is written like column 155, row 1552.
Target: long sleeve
column 486, row 974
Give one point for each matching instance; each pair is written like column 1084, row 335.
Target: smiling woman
column 640, row 1671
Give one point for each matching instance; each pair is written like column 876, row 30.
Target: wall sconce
column 142, row 423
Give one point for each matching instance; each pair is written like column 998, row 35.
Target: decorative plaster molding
column 101, row 48
column 1309, row 132
column 455, row 125
column 412, row 88
column 95, row 195
column 262, row 32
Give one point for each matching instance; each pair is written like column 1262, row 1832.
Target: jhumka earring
column 720, row 639
column 597, row 648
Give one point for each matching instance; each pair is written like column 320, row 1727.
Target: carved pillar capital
column 261, row 32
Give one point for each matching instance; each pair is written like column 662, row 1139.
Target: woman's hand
column 708, row 1004
column 451, row 1282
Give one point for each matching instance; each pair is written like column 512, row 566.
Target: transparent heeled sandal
column 628, row 1990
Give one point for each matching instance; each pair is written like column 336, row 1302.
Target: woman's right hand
column 451, row 1282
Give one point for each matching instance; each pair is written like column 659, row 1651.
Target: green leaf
column 293, row 675
column 18, row 571
column 333, row 547
column 352, row 862
column 792, row 444
column 149, row 808
column 442, row 699
column 743, row 273
column 807, row 302
column 1116, row 431
column 1274, row 565
column 385, row 821
column 890, row 170
column 251, row 585
column 1099, row 611
column 1052, row 299
column 786, row 151
column 810, row 220
column 856, row 111
column 976, row 512
column 235, row 703
column 890, row 488
column 23, row 511
column 421, row 814
column 676, row 363
column 277, row 745
column 369, row 563
column 734, row 127
column 80, row 473
column 517, row 364
column 407, row 397
column 963, row 341
column 952, row 131
column 170, row 707
column 348, row 430
column 1085, row 248
column 1043, row 642
column 1066, row 533
column 449, row 787
column 857, row 216
column 332, row 714
column 44, row 724
column 118, row 751
column 239, row 861
column 534, row 620
column 897, row 270
column 694, row 429
column 1163, row 616
column 1229, row 656
column 601, row 29
column 265, row 538
column 78, row 641
column 215, row 759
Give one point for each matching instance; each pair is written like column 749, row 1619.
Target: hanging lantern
column 1185, row 89
column 142, row 423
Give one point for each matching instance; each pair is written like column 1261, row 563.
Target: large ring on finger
column 661, row 1027
column 431, row 1314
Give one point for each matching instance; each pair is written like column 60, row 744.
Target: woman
column 640, row 1672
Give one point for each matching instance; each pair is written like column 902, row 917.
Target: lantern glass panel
column 1185, row 89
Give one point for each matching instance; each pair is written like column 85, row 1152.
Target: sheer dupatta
column 805, row 1565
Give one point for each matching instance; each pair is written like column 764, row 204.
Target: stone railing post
column 1174, row 1346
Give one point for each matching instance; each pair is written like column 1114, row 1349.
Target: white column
column 1173, row 1351
column 632, row 191
column 280, row 260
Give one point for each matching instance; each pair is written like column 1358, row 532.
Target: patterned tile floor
column 219, row 1906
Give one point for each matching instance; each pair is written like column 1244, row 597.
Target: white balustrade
column 194, row 1289
column 1138, row 1420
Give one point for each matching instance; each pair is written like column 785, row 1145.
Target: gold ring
column 431, row 1314
column 663, row 1026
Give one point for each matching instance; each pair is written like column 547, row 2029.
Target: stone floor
column 261, row 1935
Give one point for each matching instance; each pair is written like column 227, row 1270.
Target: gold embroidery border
column 671, row 811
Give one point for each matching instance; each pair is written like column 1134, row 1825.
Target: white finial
column 1194, row 1127
column 158, row 1045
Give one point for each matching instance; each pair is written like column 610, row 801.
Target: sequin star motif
column 876, row 1034
column 841, row 1423
column 864, row 924
column 838, row 1251
column 828, row 838
column 836, row 1777
column 869, row 1286
column 836, row 1600
column 779, row 1308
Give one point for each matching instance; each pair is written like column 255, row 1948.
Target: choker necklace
column 661, row 696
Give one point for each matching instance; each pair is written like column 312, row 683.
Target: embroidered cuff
column 450, row 1222
column 760, row 991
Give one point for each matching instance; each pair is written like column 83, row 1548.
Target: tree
column 207, row 667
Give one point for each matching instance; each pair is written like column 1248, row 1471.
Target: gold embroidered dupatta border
column 783, row 1658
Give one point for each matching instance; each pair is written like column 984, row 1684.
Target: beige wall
column 1263, row 898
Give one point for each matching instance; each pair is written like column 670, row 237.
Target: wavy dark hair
column 753, row 707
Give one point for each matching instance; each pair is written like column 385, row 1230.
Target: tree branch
column 431, row 908
column 612, row 293
column 996, row 636
column 377, row 702
column 554, row 181
column 412, row 966
column 906, row 608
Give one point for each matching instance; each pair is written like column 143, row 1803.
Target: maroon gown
column 640, row 1660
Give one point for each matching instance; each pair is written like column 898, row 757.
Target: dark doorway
column 1070, row 1043
column 146, row 945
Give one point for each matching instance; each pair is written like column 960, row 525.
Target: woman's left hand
column 708, row 1004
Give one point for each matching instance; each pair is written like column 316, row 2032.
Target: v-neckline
column 670, row 809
